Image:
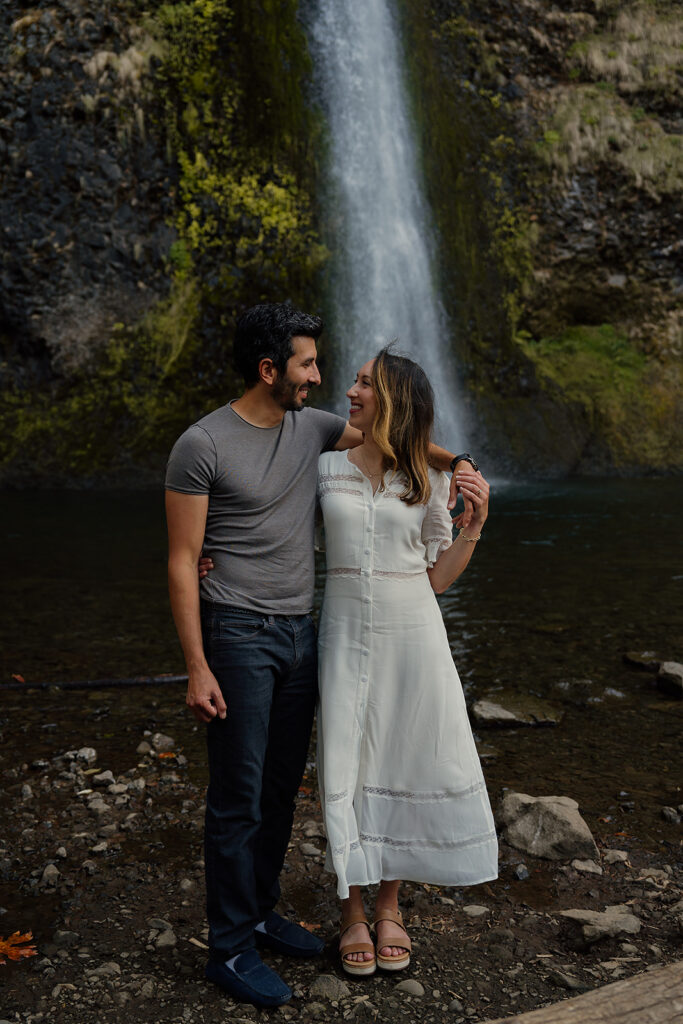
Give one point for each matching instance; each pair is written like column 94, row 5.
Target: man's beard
column 286, row 394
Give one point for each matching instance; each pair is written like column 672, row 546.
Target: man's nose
column 315, row 374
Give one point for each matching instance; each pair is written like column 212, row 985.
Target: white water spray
column 379, row 229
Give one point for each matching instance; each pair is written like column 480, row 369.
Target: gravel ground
column 101, row 860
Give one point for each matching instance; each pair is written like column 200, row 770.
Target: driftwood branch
column 655, row 997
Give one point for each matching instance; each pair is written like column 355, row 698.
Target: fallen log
column 655, row 997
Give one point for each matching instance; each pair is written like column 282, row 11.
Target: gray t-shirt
column 261, row 483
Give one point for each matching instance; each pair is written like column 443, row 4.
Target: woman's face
column 362, row 398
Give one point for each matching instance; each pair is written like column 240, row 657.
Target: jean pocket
column 240, row 629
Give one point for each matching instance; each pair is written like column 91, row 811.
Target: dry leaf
column 11, row 947
column 18, row 678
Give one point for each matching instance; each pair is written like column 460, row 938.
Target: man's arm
column 441, row 458
column 350, row 438
column 186, row 519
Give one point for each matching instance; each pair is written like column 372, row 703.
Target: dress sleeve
column 437, row 525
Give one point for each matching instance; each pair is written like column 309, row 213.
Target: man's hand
column 204, row 697
column 204, row 566
column 465, row 517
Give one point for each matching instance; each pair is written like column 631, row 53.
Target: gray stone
column 327, row 986
column 587, row 867
column 514, row 711
column 613, row 922
column 671, row 815
column 187, row 884
column 475, row 910
column 410, row 987
column 107, row 830
column 99, row 808
column 100, row 847
column 167, row 939
column 61, row 852
column 309, row 850
column 546, row 826
column 50, row 875
column 159, row 924
column 103, row 778
column 567, row 981
column 455, row 1006
column 89, row 866
column 108, row 970
column 136, row 786
column 316, row 1010
column 143, row 748
column 615, row 857
column 65, row 939
column 87, row 754
column 670, row 678
column 161, row 743
column 26, row 792
column 521, row 872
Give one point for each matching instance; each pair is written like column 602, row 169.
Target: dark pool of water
column 568, row 577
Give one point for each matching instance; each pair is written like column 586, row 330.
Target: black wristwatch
column 465, row 457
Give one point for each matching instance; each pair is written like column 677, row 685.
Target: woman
column 401, row 785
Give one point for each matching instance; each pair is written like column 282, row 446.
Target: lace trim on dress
column 325, row 478
column 334, row 798
column 405, row 794
column 430, row 844
column 349, row 572
column 341, row 850
column 333, row 489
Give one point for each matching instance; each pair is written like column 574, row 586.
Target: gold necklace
column 372, row 476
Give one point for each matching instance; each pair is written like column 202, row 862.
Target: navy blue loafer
column 248, row 980
column 286, row 937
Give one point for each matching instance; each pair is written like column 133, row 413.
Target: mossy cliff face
column 157, row 166
column 553, row 155
column 155, row 183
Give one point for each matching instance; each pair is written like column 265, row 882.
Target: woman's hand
column 475, row 489
column 204, row 566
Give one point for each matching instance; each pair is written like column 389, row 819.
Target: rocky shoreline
column 101, row 859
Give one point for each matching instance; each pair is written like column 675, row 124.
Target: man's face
column 291, row 389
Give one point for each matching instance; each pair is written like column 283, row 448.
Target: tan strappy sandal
column 356, row 966
column 392, row 963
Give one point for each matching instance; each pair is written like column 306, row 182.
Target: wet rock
column 143, row 748
column 646, row 660
column 613, row 922
column 410, row 987
column 587, row 867
column 671, row 815
column 309, row 850
column 514, row 711
column 670, row 679
column 615, row 857
column 521, row 872
column 546, row 826
column 87, row 754
column 161, row 743
column 327, row 986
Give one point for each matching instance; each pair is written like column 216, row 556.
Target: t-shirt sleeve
column 330, row 429
column 191, row 467
column 437, row 525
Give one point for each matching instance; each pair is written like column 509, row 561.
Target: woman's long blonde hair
column 402, row 426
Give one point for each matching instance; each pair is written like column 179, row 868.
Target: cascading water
column 378, row 226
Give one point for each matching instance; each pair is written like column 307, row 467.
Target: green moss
column 629, row 404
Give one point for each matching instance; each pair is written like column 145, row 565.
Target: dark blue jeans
column 266, row 666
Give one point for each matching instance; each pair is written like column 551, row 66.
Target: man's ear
column 267, row 371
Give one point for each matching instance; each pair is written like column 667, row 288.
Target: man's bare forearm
column 183, row 588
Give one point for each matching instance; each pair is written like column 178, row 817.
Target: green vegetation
column 221, row 83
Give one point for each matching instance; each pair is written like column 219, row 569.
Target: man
column 241, row 485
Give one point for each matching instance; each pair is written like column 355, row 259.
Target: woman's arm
column 454, row 559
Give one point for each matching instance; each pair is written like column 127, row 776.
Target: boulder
column 613, row 921
column 546, row 826
column 512, row 712
column 670, row 679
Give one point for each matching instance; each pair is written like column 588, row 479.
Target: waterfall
column 378, row 226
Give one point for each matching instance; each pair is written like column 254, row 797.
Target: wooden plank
column 655, row 997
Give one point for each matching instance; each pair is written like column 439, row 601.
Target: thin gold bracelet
column 470, row 540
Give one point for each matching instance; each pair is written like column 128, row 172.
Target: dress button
column 367, row 551
column 363, row 679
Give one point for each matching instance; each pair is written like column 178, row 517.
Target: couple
column 400, row 781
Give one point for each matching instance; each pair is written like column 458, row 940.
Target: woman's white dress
column 401, row 784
